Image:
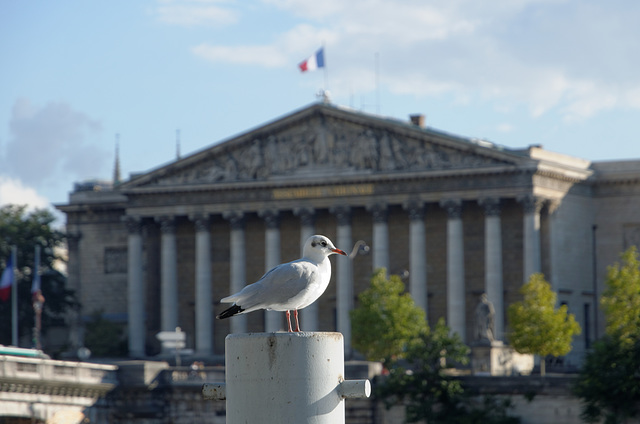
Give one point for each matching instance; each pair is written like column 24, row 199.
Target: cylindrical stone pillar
column 380, row 246
column 417, row 255
column 493, row 285
column 309, row 316
column 344, row 277
column 272, row 319
column 238, row 261
column 168, row 275
column 456, row 304
column 136, row 305
column 203, row 300
column 531, row 228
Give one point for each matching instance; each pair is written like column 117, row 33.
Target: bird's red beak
column 339, row 252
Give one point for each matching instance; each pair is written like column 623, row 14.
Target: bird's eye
column 324, row 244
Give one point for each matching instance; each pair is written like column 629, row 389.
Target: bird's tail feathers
column 233, row 310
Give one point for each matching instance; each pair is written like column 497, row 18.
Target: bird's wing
column 275, row 287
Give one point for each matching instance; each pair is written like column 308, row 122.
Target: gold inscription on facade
column 322, row 191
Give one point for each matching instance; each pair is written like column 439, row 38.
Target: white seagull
column 291, row 286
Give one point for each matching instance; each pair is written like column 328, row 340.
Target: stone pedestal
column 496, row 358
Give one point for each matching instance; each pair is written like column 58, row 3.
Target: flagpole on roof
column 14, row 297
column 326, row 74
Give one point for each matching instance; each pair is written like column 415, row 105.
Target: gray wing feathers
column 276, row 286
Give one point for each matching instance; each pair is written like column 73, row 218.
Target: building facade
column 455, row 217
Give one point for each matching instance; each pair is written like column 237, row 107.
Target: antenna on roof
column 377, row 72
column 177, row 144
column 116, row 168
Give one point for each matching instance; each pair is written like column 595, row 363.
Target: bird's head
column 319, row 247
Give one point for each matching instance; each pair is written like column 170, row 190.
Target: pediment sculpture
column 323, row 149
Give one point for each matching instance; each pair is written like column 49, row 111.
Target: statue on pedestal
column 484, row 330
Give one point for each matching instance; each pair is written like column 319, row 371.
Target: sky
column 76, row 76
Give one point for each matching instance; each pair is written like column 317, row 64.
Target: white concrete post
column 286, row 378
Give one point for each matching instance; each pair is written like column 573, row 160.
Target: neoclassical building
column 455, row 217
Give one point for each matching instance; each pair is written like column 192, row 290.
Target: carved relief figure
column 324, row 143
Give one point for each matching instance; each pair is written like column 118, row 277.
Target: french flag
column 7, row 280
column 314, row 62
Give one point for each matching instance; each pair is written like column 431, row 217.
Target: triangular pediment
column 324, row 140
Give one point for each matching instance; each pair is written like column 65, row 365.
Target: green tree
column 24, row 229
column 537, row 326
column 609, row 380
column 422, row 381
column 621, row 299
column 104, row 338
column 386, row 319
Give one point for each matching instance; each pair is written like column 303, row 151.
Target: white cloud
column 505, row 127
column 13, row 191
column 191, row 13
column 290, row 47
column 560, row 56
column 267, row 56
column 50, row 142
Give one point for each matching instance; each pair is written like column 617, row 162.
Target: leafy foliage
column 621, row 299
column 609, row 381
column 421, row 382
column 537, row 326
column 105, row 338
column 386, row 320
column 24, row 230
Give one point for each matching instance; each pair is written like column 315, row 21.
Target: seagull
column 290, row 286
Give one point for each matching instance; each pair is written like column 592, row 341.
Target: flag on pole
column 313, row 62
column 7, row 280
column 36, row 293
column 35, row 285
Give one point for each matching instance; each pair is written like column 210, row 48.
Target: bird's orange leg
column 289, row 320
column 295, row 314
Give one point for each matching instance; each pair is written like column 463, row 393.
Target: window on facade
column 115, row 260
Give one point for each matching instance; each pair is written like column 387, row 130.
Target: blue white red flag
column 6, row 281
column 313, row 62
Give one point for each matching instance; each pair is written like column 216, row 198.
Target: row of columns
column 456, row 318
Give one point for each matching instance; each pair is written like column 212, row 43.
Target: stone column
column 272, row 319
column 344, row 276
column 309, row 315
column 136, row 305
column 168, row 274
column 493, row 285
column 417, row 255
column 203, row 293
column 238, row 264
column 380, row 237
column 456, row 305
column 531, row 222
